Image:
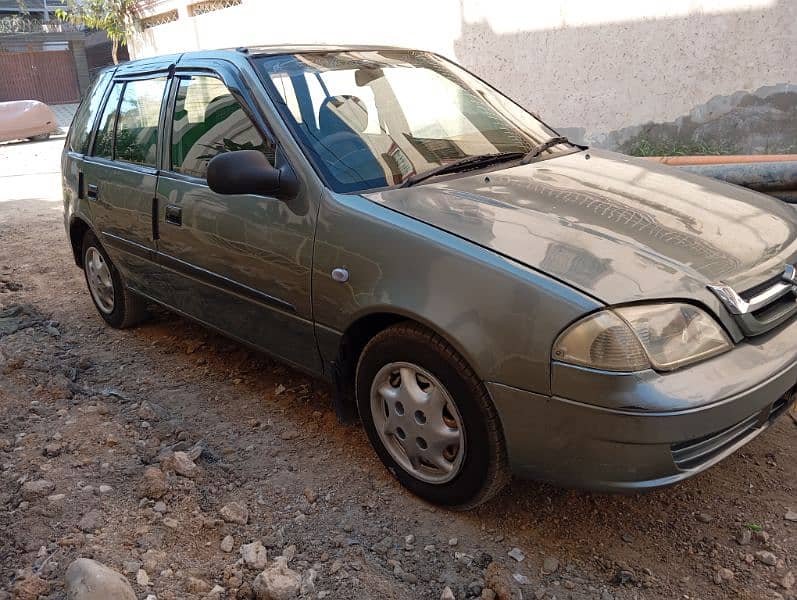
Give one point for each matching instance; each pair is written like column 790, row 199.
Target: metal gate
column 49, row 77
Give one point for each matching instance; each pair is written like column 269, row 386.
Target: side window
column 137, row 126
column 103, row 141
column 80, row 132
column 208, row 120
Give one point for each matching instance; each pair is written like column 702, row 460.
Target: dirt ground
column 85, row 409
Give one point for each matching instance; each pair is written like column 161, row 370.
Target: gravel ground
column 161, row 450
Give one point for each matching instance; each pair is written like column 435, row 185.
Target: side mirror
column 249, row 172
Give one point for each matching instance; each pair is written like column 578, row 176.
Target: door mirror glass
column 249, row 172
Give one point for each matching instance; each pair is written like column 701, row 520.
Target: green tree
column 112, row 16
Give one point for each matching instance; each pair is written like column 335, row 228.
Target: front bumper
column 630, row 433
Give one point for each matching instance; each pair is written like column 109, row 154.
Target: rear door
column 242, row 263
column 121, row 175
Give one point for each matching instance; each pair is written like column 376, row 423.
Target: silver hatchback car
column 488, row 297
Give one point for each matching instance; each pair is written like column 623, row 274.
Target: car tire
column 418, row 372
column 117, row 305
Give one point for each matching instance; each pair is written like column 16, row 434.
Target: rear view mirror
column 249, row 172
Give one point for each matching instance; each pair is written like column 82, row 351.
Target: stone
column 550, row 565
column 790, row 515
column 195, row 585
column 29, row 586
column 488, row 594
column 521, row 579
column 254, row 555
column 447, row 594
column 153, row 484
column 105, row 489
column 160, row 507
column 453, row 541
column 53, row 449
column 142, row 578
column 216, row 592
column 744, row 537
column 171, row 523
column 227, row 544
column 88, row 579
column 181, row 463
column 233, row 512
column 723, row 575
column 499, row 579
column 153, row 560
column 90, row 521
column 310, row 495
column 704, row 517
column 788, row 580
column 517, row 554
column 31, row 490
column 766, row 557
column 278, row 582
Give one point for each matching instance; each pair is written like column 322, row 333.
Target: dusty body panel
column 26, row 119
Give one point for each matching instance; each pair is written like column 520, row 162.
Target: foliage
column 669, row 147
column 111, row 16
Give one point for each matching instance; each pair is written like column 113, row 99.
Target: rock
column 56, row 498
column 227, row 544
column 105, row 489
column 766, row 557
column 790, row 515
column 278, row 582
column 54, row 449
column 447, row 594
column 142, row 578
column 744, row 537
column 153, row 484
column 453, row 541
column 704, row 517
column 151, row 412
column 521, row 579
column 181, row 463
column 31, row 490
column 87, row 579
column 722, row 575
column 171, row 523
column 195, row 585
column 153, row 560
column 517, row 554
column 90, row 521
column 160, row 507
column 254, row 555
column 289, row 434
column 788, row 581
column 499, row 579
column 550, row 565
column 310, row 495
column 216, row 592
column 29, row 586
column 233, row 512
column 488, row 594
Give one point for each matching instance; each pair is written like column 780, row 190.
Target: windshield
column 375, row 118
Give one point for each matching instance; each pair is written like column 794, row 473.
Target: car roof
column 155, row 63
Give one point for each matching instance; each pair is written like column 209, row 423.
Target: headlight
column 632, row 338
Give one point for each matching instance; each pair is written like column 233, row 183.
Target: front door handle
column 174, row 214
column 93, row 192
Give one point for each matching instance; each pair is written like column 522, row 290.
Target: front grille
column 763, row 307
column 693, row 453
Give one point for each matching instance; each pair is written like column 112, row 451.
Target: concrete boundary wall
column 637, row 75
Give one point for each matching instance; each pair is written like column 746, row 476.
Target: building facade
column 643, row 76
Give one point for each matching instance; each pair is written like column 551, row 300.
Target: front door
column 120, row 177
column 241, row 264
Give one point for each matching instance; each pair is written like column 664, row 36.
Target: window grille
column 159, row 19
column 201, row 8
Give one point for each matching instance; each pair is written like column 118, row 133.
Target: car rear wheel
column 117, row 305
column 429, row 418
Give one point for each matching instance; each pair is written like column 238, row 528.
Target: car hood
column 615, row 227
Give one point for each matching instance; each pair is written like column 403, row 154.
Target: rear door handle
column 174, row 214
column 93, row 192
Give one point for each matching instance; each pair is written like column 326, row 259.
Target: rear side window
column 80, row 132
column 128, row 127
column 208, row 120
column 137, row 125
column 103, row 141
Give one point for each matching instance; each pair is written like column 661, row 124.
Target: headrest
column 345, row 109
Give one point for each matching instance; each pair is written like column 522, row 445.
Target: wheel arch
column 356, row 336
column 77, row 231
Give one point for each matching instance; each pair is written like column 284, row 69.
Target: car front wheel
column 429, row 418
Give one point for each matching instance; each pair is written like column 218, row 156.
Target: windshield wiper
column 463, row 164
column 540, row 148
